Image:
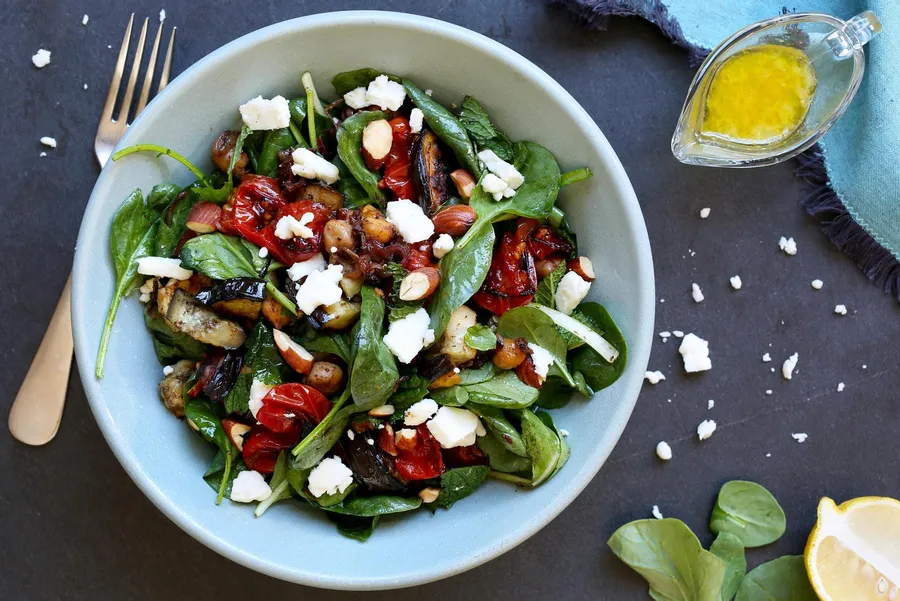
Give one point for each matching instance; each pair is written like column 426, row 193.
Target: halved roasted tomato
column 464, row 456
column 261, row 447
column 512, row 280
column 397, row 177
column 423, row 461
column 287, row 406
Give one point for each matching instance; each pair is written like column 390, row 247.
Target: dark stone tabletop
column 73, row 524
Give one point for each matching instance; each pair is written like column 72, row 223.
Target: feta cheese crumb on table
column 442, row 246
column 840, row 387
column 767, row 357
column 311, row 166
column 710, row 404
column 262, row 114
column 320, row 288
column 840, row 309
column 817, row 284
column 43, row 154
column 800, row 437
column 41, row 58
column 769, row 392
column 407, row 336
column 695, row 354
column 788, row 246
column 541, row 358
column 787, row 368
column 736, row 282
column 163, row 267
column 665, row 334
column 656, row 512
column 250, row 486
column 416, row 118
column 704, row 213
column 420, row 412
column 654, row 377
column 48, row 141
column 677, row 333
column 706, row 429
column 663, row 450
column 570, row 292
column 454, row 427
column 84, row 20
column 410, row 221
column 329, row 477
column 696, row 293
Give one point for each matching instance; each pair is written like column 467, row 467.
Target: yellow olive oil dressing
column 760, row 95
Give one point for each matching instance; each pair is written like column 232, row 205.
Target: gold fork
column 36, row 412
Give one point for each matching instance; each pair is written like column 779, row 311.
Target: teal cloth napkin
column 854, row 168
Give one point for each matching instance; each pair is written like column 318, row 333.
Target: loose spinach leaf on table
column 481, row 338
column 500, row 427
column 670, row 558
column 729, row 549
column 375, row 505
column 216, row 471
column 482, row 132
column 400, row 308
column 325, row 435
column 359, row 78
column 168, row 343
column 374, row 374
column 546, row 290
column 505, row 391
column 597, row 372
column 500, row 457
column 206, row 416
column 459, row 483
column 132, row 237
column 357, row 528
column 782, row 579
column 273, row 142
column 446, row 126
column 349, row 142
column 543, row 446
column 748, row 511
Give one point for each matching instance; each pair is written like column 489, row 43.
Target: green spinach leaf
column 159, row 199
column 546, row 290
column 471, row 376
column 275, row 141
column 501, row 459
column 564, row 451
column 168, row 343
column 325, row 435
column 221, row 194
column 729, row 549
column 349, row 142
column 748, row 511
column 357, row 528
column 599, row 373
column 481, row 338
column 482, row 132
column 216, row 472
column 411, row 389
column 374, row 374
column 335, row 343
column 455, row 396
column 173, row 223
column 206, row 416
column 536, row 327
column 262, row 357
column 281, row 488
column 238, row 398
column 375, row 505
column 501, row 428
column 543, row 446
column 355, row 196
column 360, row 78
column 459, row 483
column 555, row 393
column 576, row 175
column 505, row 391
column 782, row 579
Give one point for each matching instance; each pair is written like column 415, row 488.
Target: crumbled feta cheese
column 250, row 486
column 370, row 441
column 260, row 113
column 769, row 392
column 704, row 213
column 320, row 288
column 416, row 117
column 695, row 354
column 696, row 293
column 311, row 166
column 706, row 429
column 840, row 387
column 656, row 512
column 407, row 336
column 494, row 186
column 736, row 282
column 541, row 358
column 442, row 246
column 665, row 334
column 840, row 309
column 677, row 333
column 84, row 20
column 162, row 15
column 501, row 169
column 48, row 141
column 420, row 412
column 654, row 377
column 663, row 450
column 144, row 297
column 767, row 357
column 710, row 404
column 163, row 267
column 817, row 284
column 330, row 477
column 85, row 86
column 351, row 435
column 289, row 227
column 263, row 252
column 258, row 391
column 168, row 369
column 410, row 220
column 43, row 154
column 864, row 367
column 356, row 98
column 787, row 368
column 41, row 58
column 570, row 292
column 562, row 432
column 800, row 437
column 384, row 93
column 454, row 427
column 429, row 92
column 300, row 270
column 788, row 246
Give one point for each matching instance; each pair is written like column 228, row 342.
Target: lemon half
column 853, row 552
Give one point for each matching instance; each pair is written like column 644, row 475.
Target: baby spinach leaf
column 262, row 357
column 782, row 579
column 564, row 451
column 355, row 196
column 481, row 338
column 729, row 549
column 360, row 78
column 206, row 416
column 500, row 427
column 543, row 447
column 376, row 505
column 481, row 131
column 554, row 394
column 459, row 483
column 599, row 373
column 334, row 343
column 216, row 471
column 374, row 374
column 159, row 199
column 538, row 328
column 669, row 557
column 476, row 376
column 355, row 527
column 281, row 488
column 455, row 396
column 173, row 223
column 506, row 391
column 132, row 236
column 748, row 511
column 546, row 290
column 446, row 127
column 168, row 343
column 298, row 110
column 399, row 308
column 349, row 143
column 500, row 457
column 411, row 389
column 329, row 500
column 463, row 271
column 238, row 398
column 325, row 435
column 275, row 141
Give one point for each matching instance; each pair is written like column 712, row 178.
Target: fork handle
column 37, row 410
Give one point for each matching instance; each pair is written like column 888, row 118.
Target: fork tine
column 148, row 76
column 132, row 77
column 167, row 65
column 117, row 74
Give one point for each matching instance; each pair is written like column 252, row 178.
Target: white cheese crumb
column 85, row 86
column 501, row 169
column 817, row 284
column 494, row 186
column 654, row 377
column 260, row 113
column 84, row 20
column 704, row 213
column 263, row 252
column 864, row 366
column 250, row 486
column 695, row 354
column 300, row 270
column 258, row 391
column 356, row 98
column 788, row 246
column 706, row 429
column 768, row 454
column 840, row 309
column 787, row 368
column 665, row 334
column 409, row 219
column 541, row 358
column 330, row 477
column 736, row 282
column 320, row 288
column 656, row 512
column 370, row 442
column 696, row 293
column 663, row 450
column 43, row 154
column 168, row 369
column 407, row 336
column 162, row 15
column 289, row 227
column 41, row 58
column 454, row 427
column 163, row 267
column 429, row 92
column 442, row 246
column 48, row 141
column 570, row 292
column 769, row 392
column 386, row 94
column 767, row 357
column 800, row 437
column 416, row 117
column 677, row 333
column 351, row 435
column 420, row 412
column 144, row 297
column 311, row 166
column 840, row 387
column 563, row 432
column 710, row 404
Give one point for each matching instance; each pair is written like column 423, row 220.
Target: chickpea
column 325, row 377
column 375, row 226
column 221, row 152
column 511, row 353
column 338, row 234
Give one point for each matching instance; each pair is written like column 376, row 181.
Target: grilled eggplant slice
column 171, row 388
column 190, row 316
column 372, row 467
column 218, row 373
column 241, row 297
column 429, row 173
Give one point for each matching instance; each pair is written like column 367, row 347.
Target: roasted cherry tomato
column 417, row 258
column 288, row 405
column 545, row 241
column 464, row 456
column 397, row 165
column 254, row 204
column 261, row 448
column 512, row 280
column 298, row 249
column 423, row 461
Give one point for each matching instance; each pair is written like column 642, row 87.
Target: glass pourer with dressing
column 772, row 90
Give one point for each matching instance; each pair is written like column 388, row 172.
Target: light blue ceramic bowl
column 167, row 461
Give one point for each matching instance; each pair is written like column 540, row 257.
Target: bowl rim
column 639, row 351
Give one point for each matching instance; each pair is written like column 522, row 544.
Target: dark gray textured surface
column 75, row 527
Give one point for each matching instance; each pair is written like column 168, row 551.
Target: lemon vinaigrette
column 760, row 95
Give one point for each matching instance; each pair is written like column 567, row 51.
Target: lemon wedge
column 853, row 552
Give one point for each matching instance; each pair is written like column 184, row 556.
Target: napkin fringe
column 822, row 202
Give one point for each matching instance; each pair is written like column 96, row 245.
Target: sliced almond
column 406, row 439
column 419, row 284
column 382, row 411
column 583, row 267
column 430, row 494
column 386, row 440
column 377, row 139
column 235, row 431
column 296, row 356
column 465, row 183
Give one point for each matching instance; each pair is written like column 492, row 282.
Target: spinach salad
column 370, row 305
